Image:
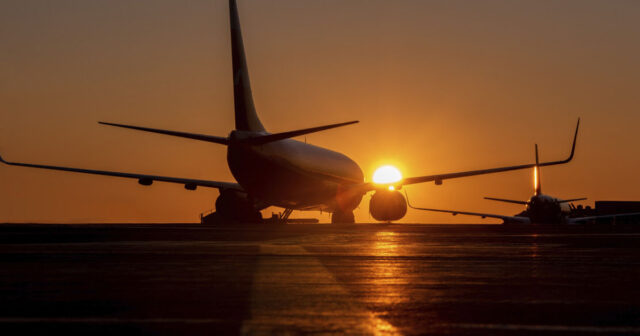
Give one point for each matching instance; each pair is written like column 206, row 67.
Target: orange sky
column 439, row 86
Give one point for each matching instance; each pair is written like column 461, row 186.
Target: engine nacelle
column 387, row 205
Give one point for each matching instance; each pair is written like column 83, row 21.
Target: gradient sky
column 438, row 86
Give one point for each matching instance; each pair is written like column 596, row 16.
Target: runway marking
column 285, row 300
column 529, row 327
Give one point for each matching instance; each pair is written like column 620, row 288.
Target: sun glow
column 386, row 175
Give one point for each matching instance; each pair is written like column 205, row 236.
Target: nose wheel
column 342, row 217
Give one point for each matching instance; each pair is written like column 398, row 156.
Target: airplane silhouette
column 272, row 169
column 540, row 208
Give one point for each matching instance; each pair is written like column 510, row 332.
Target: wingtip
column 109, row 123
column 348, row 123
column 575, row 140
column 2, row 160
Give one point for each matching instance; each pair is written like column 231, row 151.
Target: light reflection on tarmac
column 318, row 279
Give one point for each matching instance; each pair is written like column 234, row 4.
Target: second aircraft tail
column 536, row 175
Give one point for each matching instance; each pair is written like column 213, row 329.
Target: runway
column 318, row 279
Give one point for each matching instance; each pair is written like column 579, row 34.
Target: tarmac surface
column 318, row 279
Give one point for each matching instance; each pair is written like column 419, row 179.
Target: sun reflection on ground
column 385, row 244
column 388, row 274
column 534, row 247
column 382, row 327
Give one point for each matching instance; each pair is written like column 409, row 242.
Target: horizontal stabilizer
column 506, row 200
column 201, row 137
column 572, row 200
column 261, row 140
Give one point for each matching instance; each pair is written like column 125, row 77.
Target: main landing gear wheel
column 233, row 207
column 340, row 217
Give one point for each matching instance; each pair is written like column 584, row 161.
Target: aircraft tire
column 340, row 217
column 232, row 207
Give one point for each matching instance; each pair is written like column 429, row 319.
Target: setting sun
column 387, row 174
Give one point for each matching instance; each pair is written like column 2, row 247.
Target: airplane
column 272, row 169
column 540, row 208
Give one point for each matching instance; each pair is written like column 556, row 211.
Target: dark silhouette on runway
column 317, row 279
column 540, row 208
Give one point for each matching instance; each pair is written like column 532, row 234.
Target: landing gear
column 285, row 216
column 342, row 217
column 233, row 208
column 225, row 218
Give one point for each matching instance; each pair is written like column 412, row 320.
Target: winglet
column 2, row 160
column 573, row 150
column 575, row 138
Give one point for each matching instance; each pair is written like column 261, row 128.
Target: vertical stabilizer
column 245, row 111
column 536, row 175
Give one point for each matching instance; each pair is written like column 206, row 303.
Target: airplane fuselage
column 293, row 174
column 544, row 209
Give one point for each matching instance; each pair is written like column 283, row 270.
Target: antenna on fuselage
column 536, row 175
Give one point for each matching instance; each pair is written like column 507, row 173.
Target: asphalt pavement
column 369, row 279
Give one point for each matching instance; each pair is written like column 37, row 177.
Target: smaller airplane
column 540, row 208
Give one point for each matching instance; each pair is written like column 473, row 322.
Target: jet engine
column 387, row 205
column 234, row 205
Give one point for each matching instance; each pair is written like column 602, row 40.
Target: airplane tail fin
column 245, row 112
column 536, row 175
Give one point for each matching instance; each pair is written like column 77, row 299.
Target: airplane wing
column 505, row 219
column 440, row 177
column 506, row 200
column 510, row 219
column 143, row 179
column 579, row 220
column 572, row 200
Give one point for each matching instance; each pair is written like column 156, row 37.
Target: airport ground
column 318, row 279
